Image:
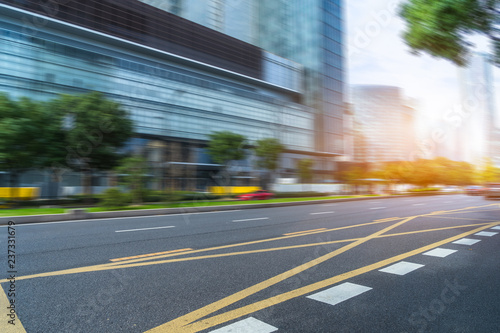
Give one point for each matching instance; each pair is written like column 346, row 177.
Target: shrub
column 114, row 198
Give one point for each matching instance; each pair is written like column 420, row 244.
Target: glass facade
column 186, row 68
column 164, row 98
column 308, row 32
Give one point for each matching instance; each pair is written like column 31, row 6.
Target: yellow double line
column 191, row 322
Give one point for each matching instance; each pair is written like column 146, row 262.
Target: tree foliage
column 304, row 167
column 488, row 173
column 268, row 151
column 33, row 135
column 100, row 127
column 133, row 172
column 442, row 28
column 226, row 146
column 424, row 172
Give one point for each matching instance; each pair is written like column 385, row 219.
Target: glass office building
column 309, row 32
column 386, row 121
column 179, row 80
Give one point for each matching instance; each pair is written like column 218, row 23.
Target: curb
column 82, row 214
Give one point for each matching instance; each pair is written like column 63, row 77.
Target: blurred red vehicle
column 257, row 195
column 474, row 190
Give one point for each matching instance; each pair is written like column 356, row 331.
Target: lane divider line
column 486, row 234
column 466, row 241
column 439, row 252
column 301, row 232
column 401, row 268
column 140, row 262
column 318, row 213
column 150, row 254
column 389, row 219
column 178, row 323
column 340, row 293
column 254, row 219
column 265, row 303
column 142, row 229
column 248, row 325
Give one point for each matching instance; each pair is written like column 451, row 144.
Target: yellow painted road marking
column 459, row 218
column 97, row 268
column 305, row 231
column 389, row 219
column 5, row 327
column 150, row 254
column 242, row 244
column 176, row 324
column 257, row 306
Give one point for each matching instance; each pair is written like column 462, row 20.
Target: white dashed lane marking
column 378, row 208
column 486, row 233
column 248, row 325
column 466, row 241
column 254, row 219
column 496, row 228
column 339, row 293
column 420, row 204
column 141, row 229
column 401, row 268
column 439, row 252
column 318, row 213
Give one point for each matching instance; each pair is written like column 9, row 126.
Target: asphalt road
column 419, row 264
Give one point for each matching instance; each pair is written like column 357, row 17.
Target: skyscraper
column 386, row 121
column 309, row 32
column 478, row 131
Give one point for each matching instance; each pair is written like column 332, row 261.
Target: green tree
column 99, row 128
column 268, row 151
column 488, row 172
column 31, row 137
column 226, row 146
column 424, row 173
column 441, row 28
column 133, row 171
column 304, row 167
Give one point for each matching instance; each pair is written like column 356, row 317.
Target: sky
column 377, row 54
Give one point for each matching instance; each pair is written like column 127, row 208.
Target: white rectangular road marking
column 420, row 204
column 318, row 213
column 169, row 226
column 496, row 228
column 248, row 325
column 401, row 268
column 339, row 293
column 378, row 208
column 466, row 241
column 439, row 252
column 254, row 219
column 486, row 233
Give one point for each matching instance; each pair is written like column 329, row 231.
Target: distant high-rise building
column 478, row 138
column 386, row 123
